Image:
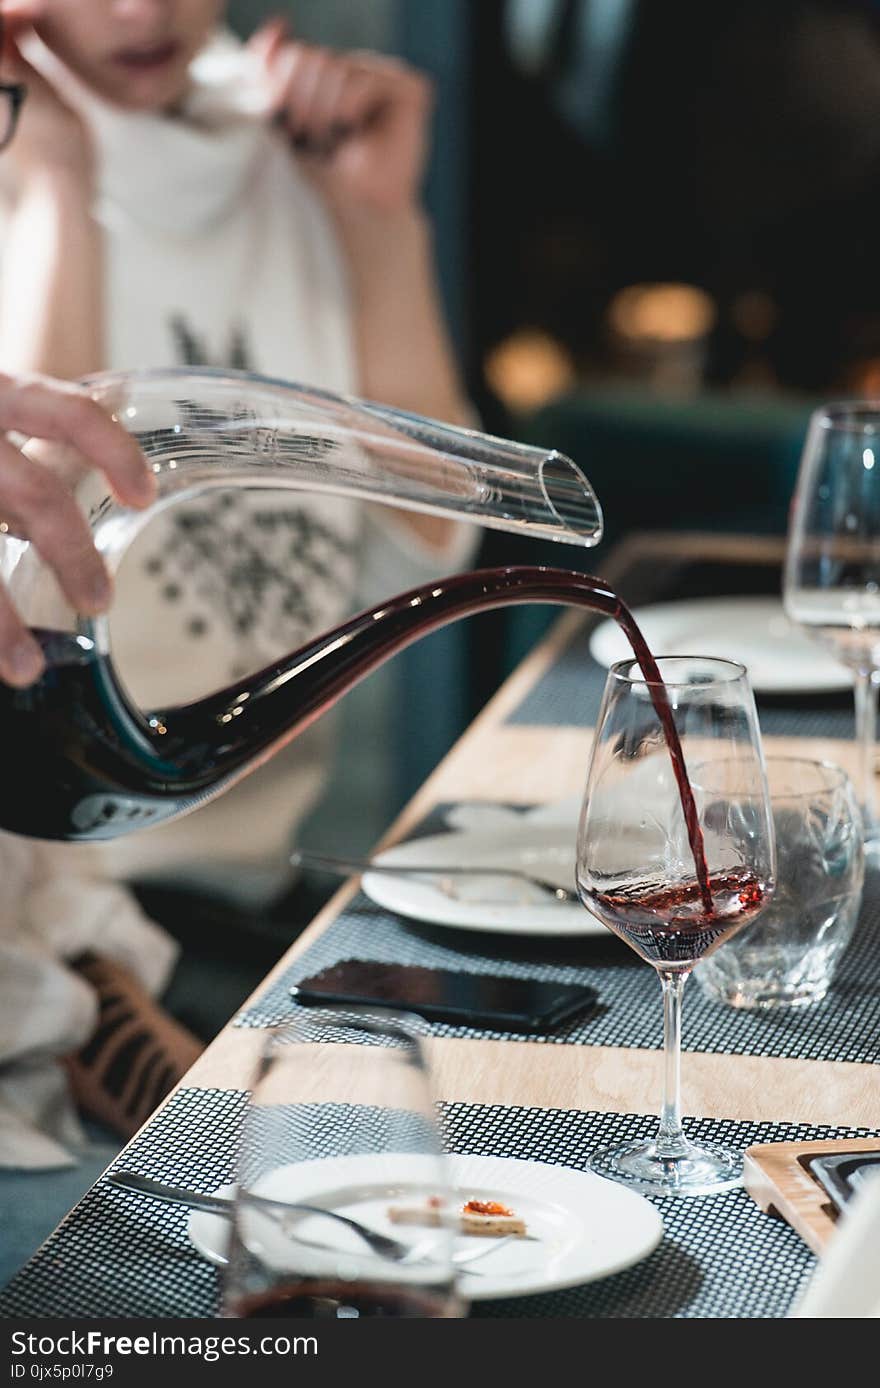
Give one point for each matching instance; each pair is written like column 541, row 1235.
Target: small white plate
column 780, row 659
column 542, row 842
column 582, row 1226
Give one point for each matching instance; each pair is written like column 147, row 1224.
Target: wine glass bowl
column 674, row 869
column 831, row 585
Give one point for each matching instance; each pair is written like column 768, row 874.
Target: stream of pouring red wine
column 660, row 699
column 81, row 762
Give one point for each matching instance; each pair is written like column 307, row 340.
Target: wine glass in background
column 832, row 570
column 637, row 872
column 340, row 1129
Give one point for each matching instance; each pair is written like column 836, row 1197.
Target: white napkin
column 846, row 1284
column 475, row 816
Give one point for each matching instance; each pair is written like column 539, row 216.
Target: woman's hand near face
column 37, row 503
column 359, row 120
column 50, row 137
column 361, row 123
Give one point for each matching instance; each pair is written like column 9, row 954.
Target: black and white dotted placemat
column 118, row 1254
column 570, row 691
column 628, row 1012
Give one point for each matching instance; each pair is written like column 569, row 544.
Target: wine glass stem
column 670, row 1142
column 866, row 734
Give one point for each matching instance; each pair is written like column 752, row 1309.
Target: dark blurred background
column 586, row 146
column 656, row 225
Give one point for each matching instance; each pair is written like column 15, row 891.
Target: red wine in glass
column 671, row 926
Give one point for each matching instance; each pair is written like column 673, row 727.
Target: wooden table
column 526, row 765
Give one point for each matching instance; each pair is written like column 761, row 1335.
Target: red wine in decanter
column 82, row 763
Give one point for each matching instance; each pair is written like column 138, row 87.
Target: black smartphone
column 841, row 1174
column 441, row 995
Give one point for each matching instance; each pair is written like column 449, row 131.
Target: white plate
column 583, row 1227
column 541, row 841
column 780, row 659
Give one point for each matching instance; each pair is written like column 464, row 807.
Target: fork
column 328, row 863
column 223, row 1205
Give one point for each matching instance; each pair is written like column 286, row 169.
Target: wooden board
column 778, row 1178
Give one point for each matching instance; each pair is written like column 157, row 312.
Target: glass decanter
column 82, row 761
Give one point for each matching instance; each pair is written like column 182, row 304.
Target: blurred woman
column 174, row 198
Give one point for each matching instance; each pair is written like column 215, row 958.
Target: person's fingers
column 386, row 62
column 65, row 413
column 323, row 119
column 321, row 96
column 308, row 68
column 21, row 660
column 406, row 82
column 357, row 101
column 279, row 74
column 375, row 91
column 266, row 42
column 35, row 502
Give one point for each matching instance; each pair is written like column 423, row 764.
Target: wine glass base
column 704, row 1170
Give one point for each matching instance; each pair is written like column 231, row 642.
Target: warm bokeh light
column 529, row 368
column 664, row 313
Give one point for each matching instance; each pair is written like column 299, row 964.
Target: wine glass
column 832, row 570
column 343, row 1206
column 672, row 869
